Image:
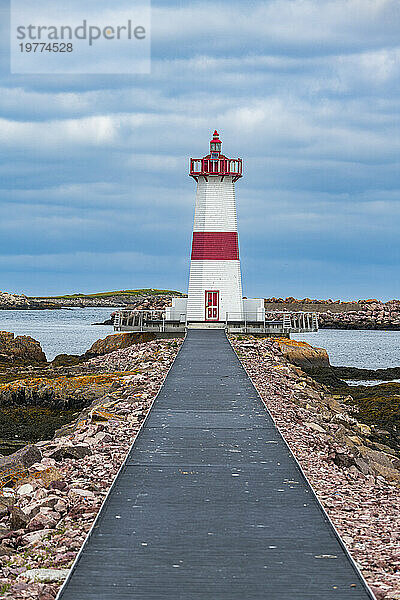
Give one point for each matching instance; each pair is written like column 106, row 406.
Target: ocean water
column 357, row 348
column 64, row 331
column 70, row 331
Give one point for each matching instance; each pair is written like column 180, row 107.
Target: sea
column 72, row 331
column 62, row 331
column 364, row 349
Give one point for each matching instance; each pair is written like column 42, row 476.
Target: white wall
column 215, row 205
column 253, row 309
column 177, row 311
column 222, row 275
column 215, row 211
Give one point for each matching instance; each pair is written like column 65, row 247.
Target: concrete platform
column 204, row 325
column 211, row 504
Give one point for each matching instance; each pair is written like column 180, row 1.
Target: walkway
column 211, row 504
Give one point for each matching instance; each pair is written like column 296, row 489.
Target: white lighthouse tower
column 215, row 285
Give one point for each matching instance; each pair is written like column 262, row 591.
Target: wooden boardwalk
column 211, row 504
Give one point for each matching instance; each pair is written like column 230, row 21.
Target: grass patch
column 141, row 292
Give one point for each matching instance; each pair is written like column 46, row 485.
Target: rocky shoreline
column 361, row 314
column 38, row 397
column 132, row 301
column 376, row 405
column 356, row 479
column 21, row 302
column 53, row 489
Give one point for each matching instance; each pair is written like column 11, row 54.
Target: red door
column 212, row 305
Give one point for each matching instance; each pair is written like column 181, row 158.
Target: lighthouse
column 215, row 284
column 214, row 298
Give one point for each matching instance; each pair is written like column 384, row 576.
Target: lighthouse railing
column 221, row 166
column 140, row 320
column 271, row 322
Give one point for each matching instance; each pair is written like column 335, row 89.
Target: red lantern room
column 215, row 146
column 215, row 163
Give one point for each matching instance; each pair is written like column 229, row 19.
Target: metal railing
column 273, row 320
column 140, row 320
column 221, row 166
column 247, row 321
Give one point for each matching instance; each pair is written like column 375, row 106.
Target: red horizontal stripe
column 221, row 245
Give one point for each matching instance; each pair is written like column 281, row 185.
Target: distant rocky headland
column 125, row 298
column 359, row 314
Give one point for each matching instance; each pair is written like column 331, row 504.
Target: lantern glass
column 212, row 146
column 218, row 147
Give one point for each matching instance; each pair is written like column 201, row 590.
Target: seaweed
column 23, row 424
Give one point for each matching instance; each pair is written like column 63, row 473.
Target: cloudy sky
column 95, row 193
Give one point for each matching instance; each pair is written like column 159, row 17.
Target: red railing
column 222, row 166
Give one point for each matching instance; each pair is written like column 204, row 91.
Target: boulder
column 43, row 521
column 4, row 532
column 107, row 345
column 342, row 459
column 315, row 427
column 20, row 350
column 78, row 493
column 381, row 463
column 34, row 536
column 67, row 360
column 118, row 341
column 25, row 490
column 19, row 520
column 75, row 452
column 20, row 460
column 6, row 549
column 303, row 355
column 6, row 504
column 44, row 575
column 58, row 485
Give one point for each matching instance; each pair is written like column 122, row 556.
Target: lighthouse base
column 253, row 320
